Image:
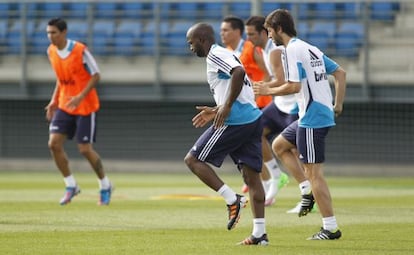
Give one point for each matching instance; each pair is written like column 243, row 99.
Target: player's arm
column 236, row 85
column 205, row 115
column 53, row 104
column 92, row 68
column 340, row 83
column 258, row 58
column 286, row 88
column 340, row 89
column 261, row 88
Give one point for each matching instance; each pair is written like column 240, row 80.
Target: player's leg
column 55, row 143
column 257, row 199
column 250, row 165
column 212, row 147
column 323, row 198
column 62, row 128
column 311, row 147
column 86, row 135
column 285, row 149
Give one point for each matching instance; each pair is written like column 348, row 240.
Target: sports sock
column 104, row 183
column 305, row 187
column 273, row 168
column 259, row 227
column 329, row 223
column 70, row 181
column 228, row 194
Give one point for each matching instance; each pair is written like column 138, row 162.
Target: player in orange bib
column 231, row 33
column 73, row 107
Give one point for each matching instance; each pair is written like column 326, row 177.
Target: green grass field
column 153, row 214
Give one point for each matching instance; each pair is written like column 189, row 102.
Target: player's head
column 231, row 30
column 200, row 37
column 256, row 32
column 280, row 22
column 56, row 31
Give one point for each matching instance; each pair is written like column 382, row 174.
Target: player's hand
column 260, row 88
column 205, row 115
column 50, row 110
column 223, row 112
column 338, row 109
column 73, row 102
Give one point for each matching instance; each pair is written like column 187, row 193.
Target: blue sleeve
column 330, row 65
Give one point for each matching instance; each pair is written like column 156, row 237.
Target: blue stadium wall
column 366, row 132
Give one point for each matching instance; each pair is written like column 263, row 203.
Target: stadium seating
column 176, row 42
column 326, row 11
column 349, row 11
column 267, row 8
column 126, row 38
column 134, row 10
column 51, row 10
column 77, row 10
column 302, row 28
column 383, row 11
column 316, row 22
column 77, row 30
column 348, row 39
column 4, row 10
column 148, row 36
column 103, row 32
column 13, row 39
column 39, row 42
column 213, row 11
column 240, row 9
column 105, row 10
column 321, row 34
column 304, row 11
column 186, row 10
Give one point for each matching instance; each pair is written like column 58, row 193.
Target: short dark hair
column 258, row 23
column 235, row 23
column 59, row 23
column 282, row 18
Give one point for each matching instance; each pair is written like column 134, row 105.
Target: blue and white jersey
column 220, row 63
column 309, row 66
column 287, row 103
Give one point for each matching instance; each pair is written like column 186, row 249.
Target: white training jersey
column 287, row 103
column 220, row 63
column 88, row 59
column 238, row 51
column 309, row 66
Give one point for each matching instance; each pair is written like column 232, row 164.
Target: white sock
column 228, row 194
column 259, row 227
column 305, row 187
column 329, row 223
column 273, row 168
column 70, row 181
column 104, row 183
column 266, row 185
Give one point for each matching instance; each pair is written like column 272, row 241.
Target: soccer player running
column 231, row 33
column 280, row 113
column 308, row 70
column 73, row 106
column 236, row 131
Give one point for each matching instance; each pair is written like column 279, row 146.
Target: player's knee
column 189, row 160
column 54, row 145
column 85, row 150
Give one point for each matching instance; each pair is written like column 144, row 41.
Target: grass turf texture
column 374, row 214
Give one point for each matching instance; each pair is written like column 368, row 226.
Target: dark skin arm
column 236, row 85
column 220, row 113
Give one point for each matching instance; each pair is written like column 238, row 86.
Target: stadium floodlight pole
column 256, row 7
